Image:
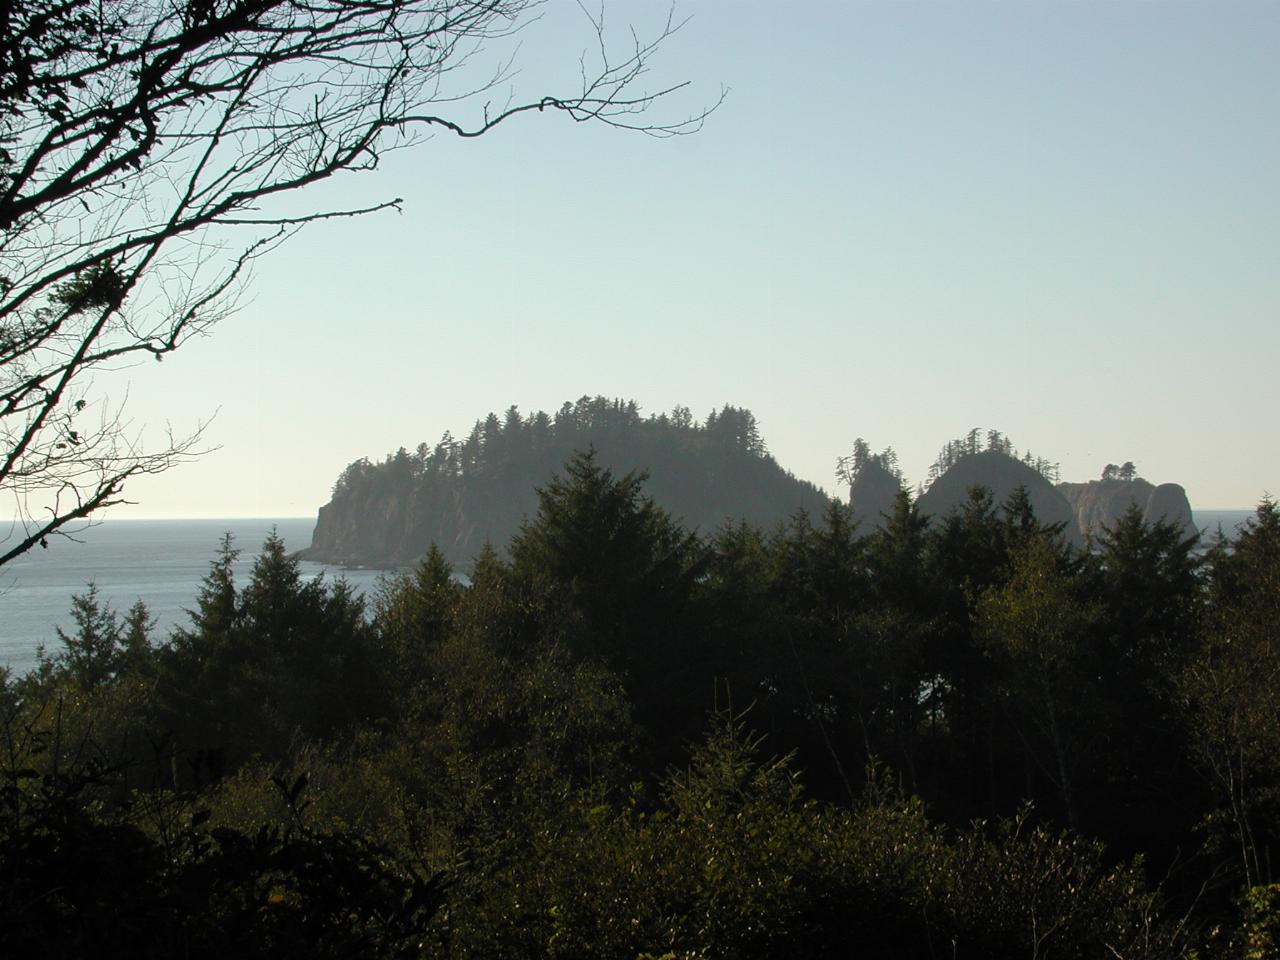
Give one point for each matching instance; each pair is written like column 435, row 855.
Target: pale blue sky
column 1061, row 220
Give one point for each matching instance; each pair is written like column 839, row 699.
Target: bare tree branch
column 146, row 147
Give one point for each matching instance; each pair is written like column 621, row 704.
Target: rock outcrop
column 1001, row 475
column 872, row 496
column 389, row 529
column 1098, row 504
column 464, row 494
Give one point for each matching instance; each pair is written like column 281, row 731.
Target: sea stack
column 1001, row 474
column 1098, row 504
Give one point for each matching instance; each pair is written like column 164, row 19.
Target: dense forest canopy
column 974, row 442
column 494, row 442
column 955, row 736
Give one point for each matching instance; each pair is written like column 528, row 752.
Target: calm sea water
column 160, row 561
column 1229, row 520
column 163, row 561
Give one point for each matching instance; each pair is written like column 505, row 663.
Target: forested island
column 460, row 495
column 463, row 494
column 950, row 736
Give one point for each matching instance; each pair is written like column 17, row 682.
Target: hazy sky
column 1060, row 220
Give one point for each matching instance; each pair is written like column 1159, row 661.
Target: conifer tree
column 136, row 649
column 413, row 614
column 91, row 653
column 1041, row 628
column 608, row 550
column 1232, row 696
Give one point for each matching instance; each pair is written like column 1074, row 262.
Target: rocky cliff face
column 392, row 528
column 389, row 529
column 1002, row 475
column 1098, row 504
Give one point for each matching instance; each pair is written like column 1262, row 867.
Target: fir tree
column 91, row 653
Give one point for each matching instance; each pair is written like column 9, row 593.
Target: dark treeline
column 463, row 493
column 947, row 738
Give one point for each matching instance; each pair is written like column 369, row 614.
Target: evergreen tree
column 1150, row 584
column 1233, row 700
column 215, row 611
column 610, row 554
column 1040, row 626
column 137, row 653
column 1146, row 579
column 616, row 580
column 899, row 643
column 286, row 658
column 966, row 554
column 91, row 653
column 413, row 614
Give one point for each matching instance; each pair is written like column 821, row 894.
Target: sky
column 906, row 219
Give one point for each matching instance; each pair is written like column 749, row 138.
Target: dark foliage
column 281, row 661
column 985, row 743
column 76, row 881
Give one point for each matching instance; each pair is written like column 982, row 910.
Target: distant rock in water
column 1001, row 474
column 1098, row 504
column 872, row 495
column 461, row 495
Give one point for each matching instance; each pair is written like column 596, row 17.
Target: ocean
column 160, row 561
column 163, row 561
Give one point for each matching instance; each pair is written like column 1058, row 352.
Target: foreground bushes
column 729, row 859
column 151, row 878
column 734, row 862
